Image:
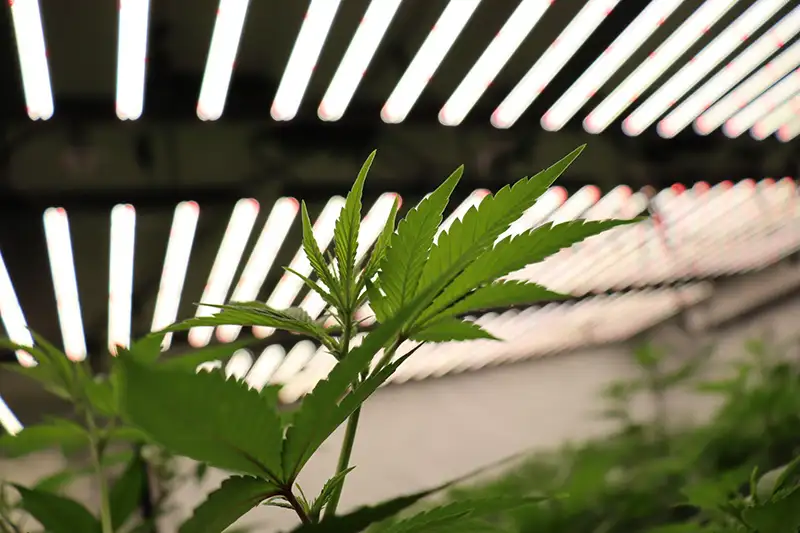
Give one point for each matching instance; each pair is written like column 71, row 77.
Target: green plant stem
column 344, row 460
column 105, row 506
column 292, row 499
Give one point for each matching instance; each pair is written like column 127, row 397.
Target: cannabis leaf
column 452, row 329
column 126, row 494
column 317, row 261
column 381, row 245
column 56, row 513
column 501, row 294
column 205, row 417
column 405, row 258
column 459, row 516
column 224, row 506
column 55, row 433
column 327, row 491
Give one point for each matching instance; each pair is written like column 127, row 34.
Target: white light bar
column 12, row 317
column 265, row 366
column 131, row 57
column 371, row 227
column 176, row 262
column 8, row 420
column 305, row 54
column 735, row 100
column 544, row 207
column 120, row 276
column 221, row 58
column 224, row 268
column 656, row 64
column 735, row 71
column 779, row 116
column 608, row 63
column 290, row 285
column 493, row 59
column 65, row 284
column 789, row 131
column 357, row 58
column 239, row 364
column 297, row 358
column 429, row 56
column 708, row 58
column 762, row 105
column 261, row 259
column 27, row 21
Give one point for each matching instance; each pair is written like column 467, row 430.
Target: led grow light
column 27, row 20
column 221, row 58
column 761, row 106
column 735, row 100
column 12, row 317
column 733, row 73
column 547, row 203
column 772, row 121
column 131, row 57
column 65, row 284
column 656, row 64
column 290, row 285
column 120, row 276
column 239, row 364
column 297, row 358
column 705, row 61
column 552, row 61
column 618, row 52
column 789, row 131
column 265, row 366
column 261, row 259
column 305, row 54
column 492, row 60
column 176, row 262
column 224, row 268
column 8, row 420
column 429, row 56
column 357, row 58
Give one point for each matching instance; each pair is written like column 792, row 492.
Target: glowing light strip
column 656, row 64
column 608, row 63
column 261, row 259
column 762, row 105
column 290, row 285
column 221, row 57
column 27, row 19
column 544, row 207
column 357, row 58
column 305, row 54
column 762, row 80
column 176, row 262
column 772, row 122
column 12, row 317
column 789, row 131
column 265, row 366
column 371, row 227
column 239, row 364
column 297, row 358
column 225, row 264
column 493, row 59
column 131, row 57
column 8, row 420
column 733, row 73
column 65, row 284
column 708, row 58
column 120, row 276
column 429, row 56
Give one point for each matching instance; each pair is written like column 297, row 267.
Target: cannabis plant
column 420, row 287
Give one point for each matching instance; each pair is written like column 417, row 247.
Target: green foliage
column 56, row 513
column 419, row 290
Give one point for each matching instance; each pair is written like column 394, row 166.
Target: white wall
column 419, row 434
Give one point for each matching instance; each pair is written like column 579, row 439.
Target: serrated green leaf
column 53, row 369
column 779, row 515
column 146, row 349
column 452, row 329
column 501, row 294
column 192, row 359
column 126, row 493
column 57, row 514
column 446, row 517
column 377, row 302
column 346, row 233
column 407, row 253
column 382, row 244
column 512, row 254
column 258, row 314
column 56, row 433
column 475, row 233
column 327, row 491
column 323, row 291
column 315, row 256
column 43, row 374
column 235, row 497
column 99, row 391
column 205, row 417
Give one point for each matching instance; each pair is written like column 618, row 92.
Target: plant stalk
column 105, row 505
column 344, row 460
column 301, row 513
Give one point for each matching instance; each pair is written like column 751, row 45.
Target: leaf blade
column 56, row 513
column 452, row 329
column 224, row 506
